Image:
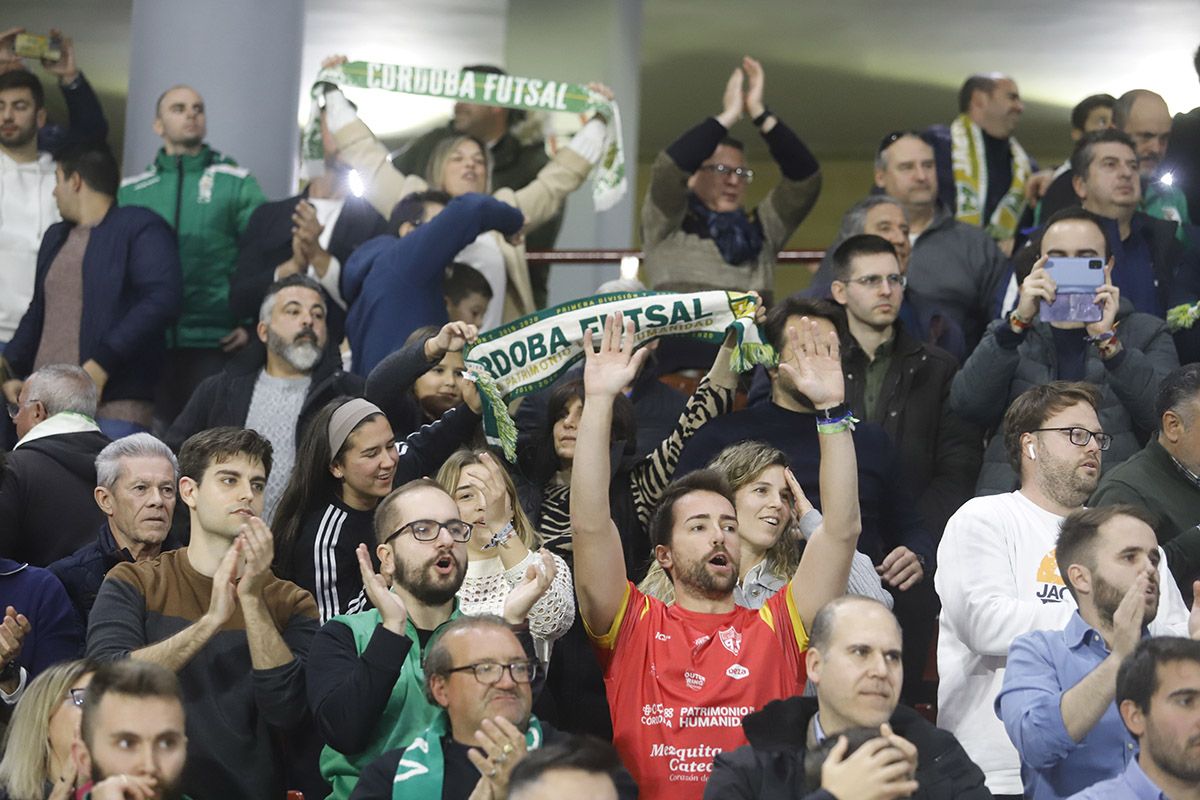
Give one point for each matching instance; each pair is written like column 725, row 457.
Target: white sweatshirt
column 997, row 579
column 27, row 209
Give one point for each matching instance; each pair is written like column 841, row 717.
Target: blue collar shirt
column 1132, row 784
column 1042, row 667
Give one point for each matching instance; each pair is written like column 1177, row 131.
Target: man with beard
column 681, row 677
column 997, row 575
column 1156, row 691
column 276, row 391
column 132, row 742
column 1057, row 697
column 365, row 680
column 207, row 199
column 214, row 614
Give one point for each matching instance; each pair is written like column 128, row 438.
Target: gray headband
column 344, row 420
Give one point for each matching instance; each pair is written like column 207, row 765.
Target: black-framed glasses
column 426, row 530
column 741, row 173
column 489, row 672
column 77, row 696
column 875, row 281
column 1081, row 436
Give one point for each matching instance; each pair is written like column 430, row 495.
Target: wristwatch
column 761, row 118
column 10, row 672
column 833, row 414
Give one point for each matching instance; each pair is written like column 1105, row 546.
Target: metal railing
column 809, row 258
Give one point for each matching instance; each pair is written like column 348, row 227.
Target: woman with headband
column 346, row 463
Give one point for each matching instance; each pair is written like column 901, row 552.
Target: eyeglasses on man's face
column 1081, row 436
column 721, row 170
column 489, row 672
column 426, row 530
column 875, row 281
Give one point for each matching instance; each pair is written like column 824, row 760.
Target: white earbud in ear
column 1032, row 452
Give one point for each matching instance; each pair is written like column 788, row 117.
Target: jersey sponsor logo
column 713, row 716
column 662, row 637
column 732, row 639
column 1052, row 588
column 694, row 680
column 657, row 714
column 700, row 641
column 205, row 188
column 686, row 763
column 737, row 672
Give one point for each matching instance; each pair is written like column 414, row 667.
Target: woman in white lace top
column 503, row 550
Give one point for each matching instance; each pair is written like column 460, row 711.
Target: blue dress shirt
column 1042, row 667
column 1132, row 784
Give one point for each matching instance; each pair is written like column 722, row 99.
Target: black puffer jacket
column 772, row 765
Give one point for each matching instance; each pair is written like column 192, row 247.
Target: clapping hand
column 754, row 87
column 538, row 577
column 389, row 605
column 734, row 100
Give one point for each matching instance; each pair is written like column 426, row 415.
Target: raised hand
column 800, row 502
column 538, row 578
column 487, row 480
column 13, row 630
column 65, row 68
column 389, row 605
column 609, row 370
column 224, row 597
column 452, row 338
column 9, row 60
column 333, row 61
column 258, row 551
column 1038, row 285
column 734, row 101
column 754, row 87
column 814, row 364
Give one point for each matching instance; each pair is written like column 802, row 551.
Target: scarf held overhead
column 970, row 180
column 531, row 353
column 486, row 89
column 422, row 767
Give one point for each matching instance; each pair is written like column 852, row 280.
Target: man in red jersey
column 681, row 677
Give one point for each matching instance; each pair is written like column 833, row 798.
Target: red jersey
column 679, row 683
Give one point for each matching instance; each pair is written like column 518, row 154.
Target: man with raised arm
column 681, row 677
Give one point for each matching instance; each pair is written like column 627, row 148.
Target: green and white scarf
column 609, row 183
column 422, row 767
column 970, row 180
column 531, row 353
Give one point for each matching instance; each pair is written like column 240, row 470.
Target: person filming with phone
column 1055, row 334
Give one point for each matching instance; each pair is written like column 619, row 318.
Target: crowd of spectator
column 941, row 541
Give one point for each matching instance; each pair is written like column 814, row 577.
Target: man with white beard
column 274, row 392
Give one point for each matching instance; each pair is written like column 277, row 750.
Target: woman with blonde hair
column 462, row 164
column 774, row 517
column 37, row 762
column 504, row 550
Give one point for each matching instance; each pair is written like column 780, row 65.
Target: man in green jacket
column 208, row 199
column 132, row 741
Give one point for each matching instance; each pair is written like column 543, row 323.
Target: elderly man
column 696, row 233
column 478, row 674
column 854, row 660
column 276, row 391
column 136, row 481
column 47, row 483
column 1057, row 698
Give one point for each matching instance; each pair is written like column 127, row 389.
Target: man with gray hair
column 136, row 482
column 46, row 482
column 276, row 388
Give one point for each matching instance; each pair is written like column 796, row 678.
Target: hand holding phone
column 1076, row 282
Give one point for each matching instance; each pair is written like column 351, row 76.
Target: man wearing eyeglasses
column 697, row 235
column 478, row 676
column 365, row 679
column 901, row 383
column 997, row 576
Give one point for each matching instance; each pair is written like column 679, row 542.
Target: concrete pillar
column 604, row 41
column 243, row 58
